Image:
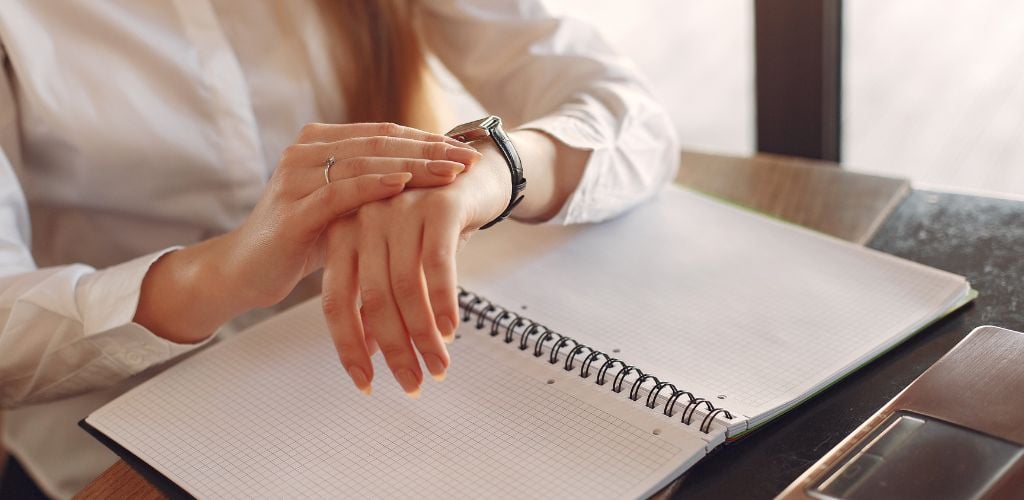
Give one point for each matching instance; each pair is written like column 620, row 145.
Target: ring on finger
column 328, row 163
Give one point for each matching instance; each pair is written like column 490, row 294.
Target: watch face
column 474, row 130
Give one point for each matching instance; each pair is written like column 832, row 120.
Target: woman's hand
column 279, row 242
column 258, row 264
column 398, row 257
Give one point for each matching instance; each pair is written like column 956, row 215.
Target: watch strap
column 515, row 167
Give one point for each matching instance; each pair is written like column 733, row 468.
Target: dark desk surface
column 980, row 238
column 965, row 235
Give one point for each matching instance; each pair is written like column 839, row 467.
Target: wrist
column 219, row 278
column 186, row 294
column 226, row 271
column 554, row 171
column 496, row 183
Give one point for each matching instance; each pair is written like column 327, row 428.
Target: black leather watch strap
column 491, row 126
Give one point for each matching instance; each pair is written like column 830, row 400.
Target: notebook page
column 747, row 311
column 271, row 413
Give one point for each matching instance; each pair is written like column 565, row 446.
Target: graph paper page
column 271, row 413
column 747, row 311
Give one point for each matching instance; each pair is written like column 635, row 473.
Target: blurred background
column 930, row 90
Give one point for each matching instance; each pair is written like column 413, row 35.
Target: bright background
column 933, row 90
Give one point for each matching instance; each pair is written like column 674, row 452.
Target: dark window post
column 798, row 62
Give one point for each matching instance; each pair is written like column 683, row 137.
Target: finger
column 331, row 132
column 425, row 173
column 371, row 341
column 410, row 291
column 338, row 198
column 352, row 155
column 382, row 316
column 440, row 244
column 341, row 311
column 397, row 147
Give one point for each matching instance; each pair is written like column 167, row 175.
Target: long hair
column 381, row 39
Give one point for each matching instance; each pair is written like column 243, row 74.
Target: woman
column 149, row 161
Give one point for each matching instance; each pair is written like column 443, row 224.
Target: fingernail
column 396, row 179
column 445, row 168
column 447, row 328
column 360, row 379
column 409, row 383
column 435, row 366
column 463, row 156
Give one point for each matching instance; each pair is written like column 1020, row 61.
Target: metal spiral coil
column 501, row 321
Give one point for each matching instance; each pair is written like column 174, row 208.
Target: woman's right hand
column 189, row 293
column 279, row 242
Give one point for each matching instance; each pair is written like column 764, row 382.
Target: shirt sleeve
column 559, row 77
column 68, row 329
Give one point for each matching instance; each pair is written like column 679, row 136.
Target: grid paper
column 271, row 413
column 716, row 299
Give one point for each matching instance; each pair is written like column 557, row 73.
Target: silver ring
column 328, row 163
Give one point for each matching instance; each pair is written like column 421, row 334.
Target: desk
column 847, row 205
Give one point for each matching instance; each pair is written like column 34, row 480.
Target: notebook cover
column 153, row 476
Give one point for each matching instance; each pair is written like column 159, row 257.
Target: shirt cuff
column 108, row 300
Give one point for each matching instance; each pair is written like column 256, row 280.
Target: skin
column 187, row 294
column 398, row 257
column 385, row 230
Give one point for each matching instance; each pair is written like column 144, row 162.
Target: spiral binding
column 488, row 312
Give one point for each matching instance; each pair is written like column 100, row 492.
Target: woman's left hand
column 398, row 257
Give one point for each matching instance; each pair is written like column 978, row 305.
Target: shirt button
column 133, row 358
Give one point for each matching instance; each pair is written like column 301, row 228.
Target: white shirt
column 128, row 127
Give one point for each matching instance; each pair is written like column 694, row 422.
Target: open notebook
column 594, row 361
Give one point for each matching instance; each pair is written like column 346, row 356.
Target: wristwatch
column 491, row 127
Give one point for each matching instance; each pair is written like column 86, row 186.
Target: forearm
column 185, row 297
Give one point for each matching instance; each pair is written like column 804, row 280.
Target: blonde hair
column 382, row 39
